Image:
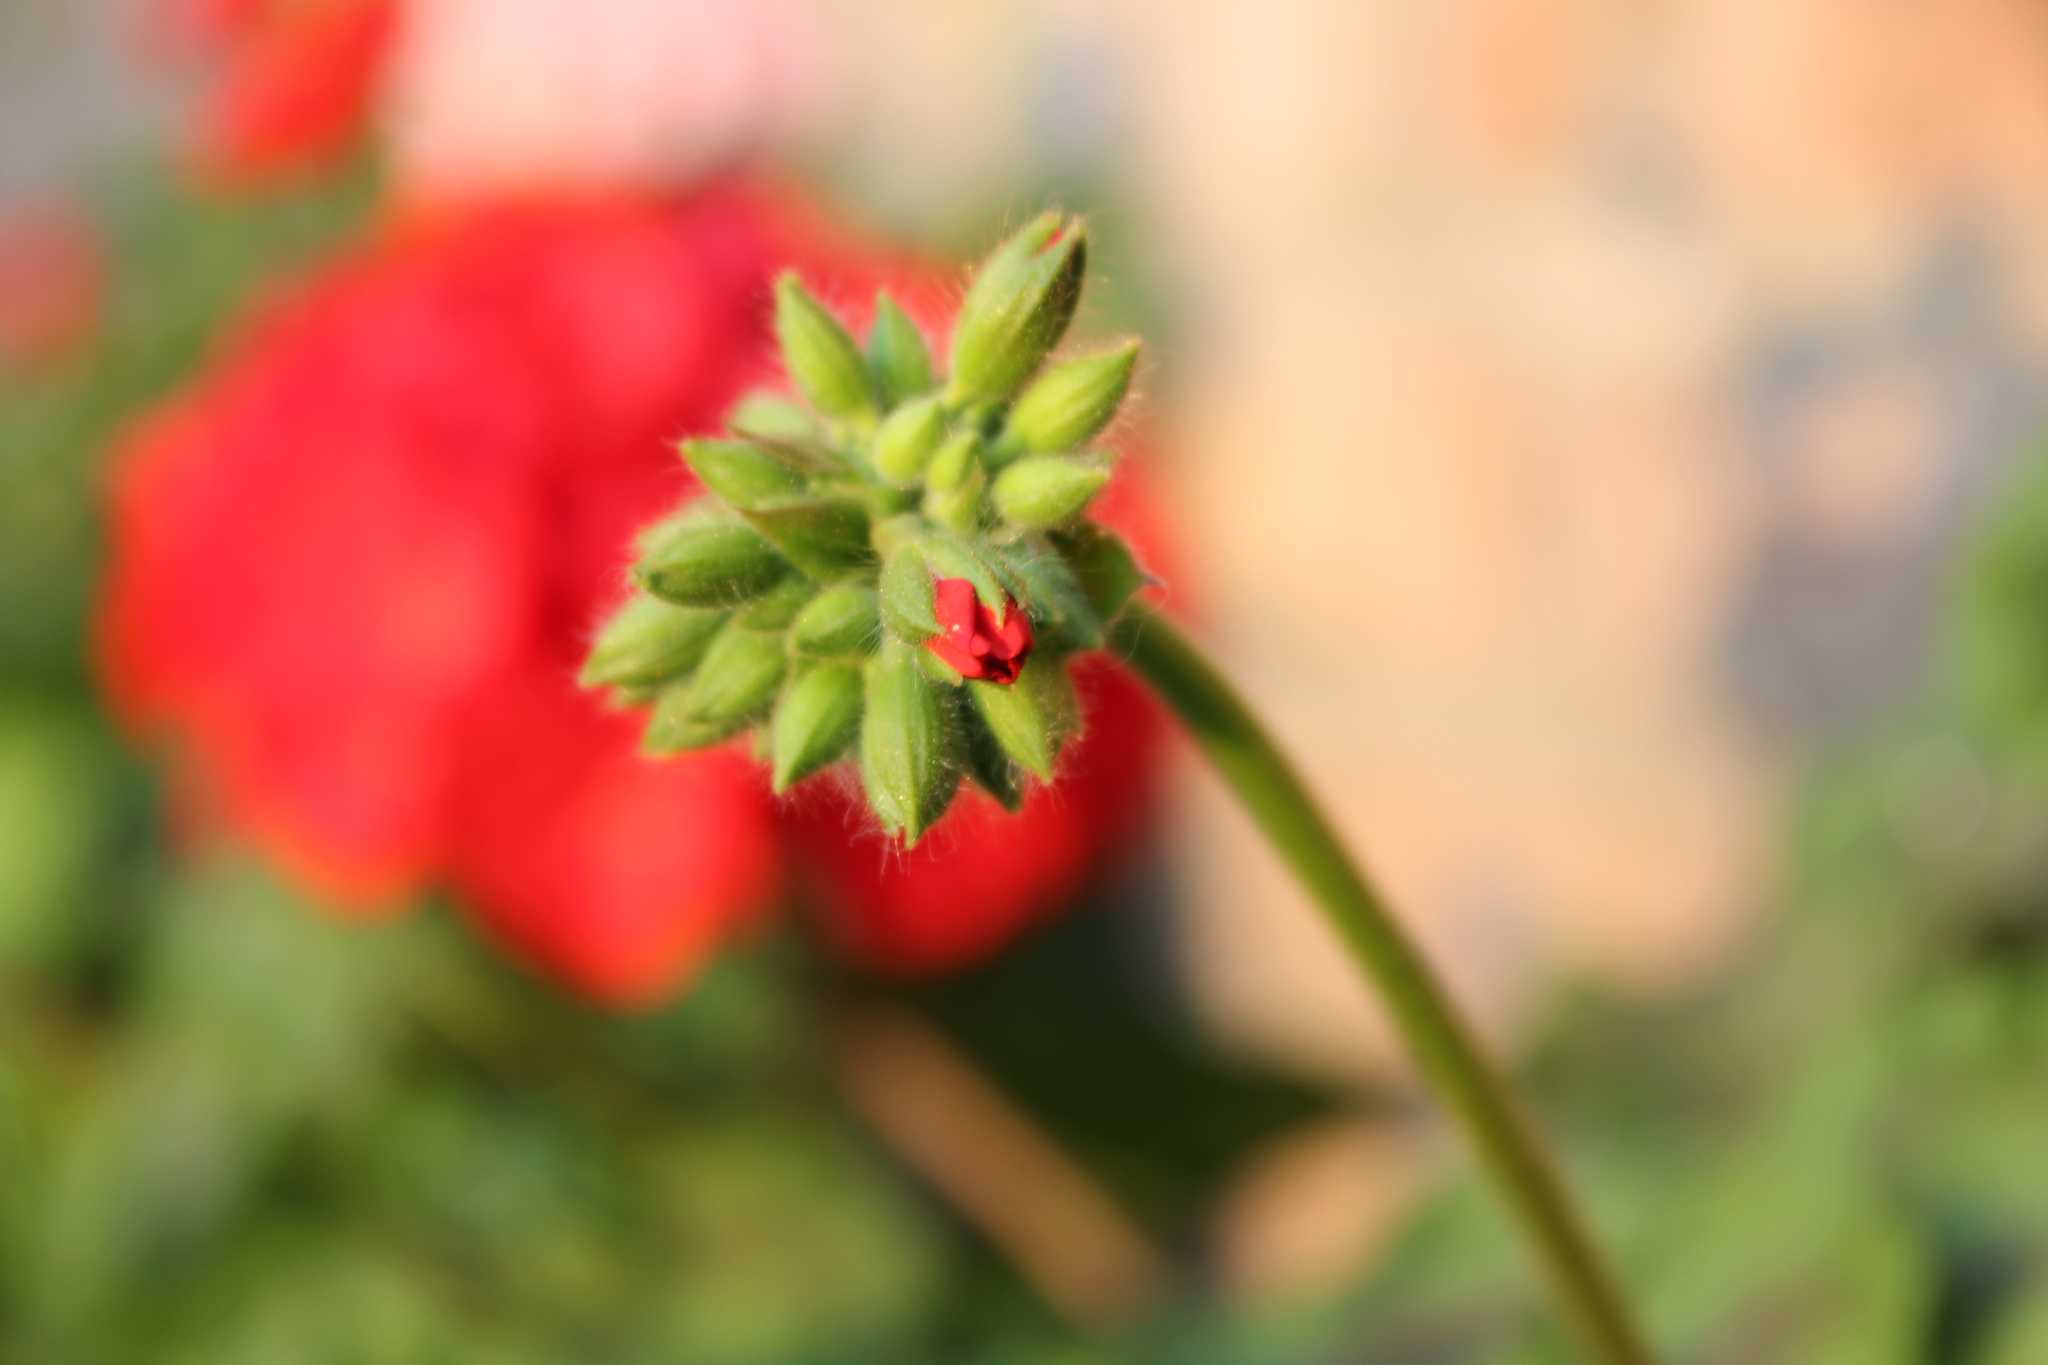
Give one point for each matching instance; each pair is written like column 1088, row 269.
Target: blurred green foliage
column 235, row 1129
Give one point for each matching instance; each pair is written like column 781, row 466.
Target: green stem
column 1441, row 1043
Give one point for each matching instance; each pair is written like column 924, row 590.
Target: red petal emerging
column 972, row 641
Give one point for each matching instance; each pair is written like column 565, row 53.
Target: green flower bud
column 1104, row 567
column 1017, row 309
column 987, row 764
column 821, row 357
column 1040, row 491
column 815, row 722
column 840, row 623
column 907, row 759
column 956, row 483
column 675, row 727
column 738, row 675
column 744, row 474
column 788, row 428
column 776, row 608
column 908, row 440
column 908, row 607
column 826, row 537
column 709, row 561
column 890, row 570
column 1072, row 402
column 1031, row 717
column 647, row 643
column 897, row 353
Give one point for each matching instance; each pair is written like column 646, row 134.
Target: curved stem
column 1443, row 1047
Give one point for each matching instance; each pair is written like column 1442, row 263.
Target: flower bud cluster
column 897, row 569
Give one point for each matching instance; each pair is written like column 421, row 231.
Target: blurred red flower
column 290, row 83
column 53, row 272
column 355, row 565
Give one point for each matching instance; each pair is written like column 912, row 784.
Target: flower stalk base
column 1443, row 1047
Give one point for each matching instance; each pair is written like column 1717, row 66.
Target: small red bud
column 972, row 641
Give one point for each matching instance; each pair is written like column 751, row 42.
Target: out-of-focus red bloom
column 52, row 283
column 291, row 85
column 982, row 874
column 973, row 641
column 355, row 565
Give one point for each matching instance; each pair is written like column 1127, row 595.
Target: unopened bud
column 1071, row 403
column 773, row 610
column 976, row 640
column 675, row 728
column 738, row 675
column 1042, row 491
column 839, row 623
column 822, row 358
column 709, row 561
column 897, row 352
column 907, row 762
column 743, row 473
column 826, row 537
column 1031, row 717
column 956, row 483
column 648, row 642
column 815, row 722
column 1018, row 309
column 908, row 440
column 786, row 427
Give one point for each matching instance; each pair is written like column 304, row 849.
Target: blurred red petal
column 293, row 90
column 53, row 283
column 354, row 565
column 618, row 874
column 982, row 875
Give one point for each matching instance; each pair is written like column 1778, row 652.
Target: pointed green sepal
column 1061, row 613
column 821, row 356
column 909, row 608
column 815, row 722
column 1041, row 491
column 897, row 353
column 774, row 610
column 951, row 557
column 839, row 623
column 987, row 764
column 738, row 676
column 1031, row 717
column 1070, row 404
column 708, row 560
column 675, row 728
column 907, row 741
column 745, row 474
column 647, row 643
column 908, row 440
column 1017, row 309
column 956, row 483
column 825, row 537
column 1104, row 567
